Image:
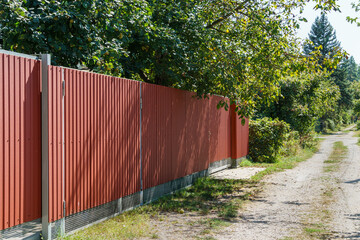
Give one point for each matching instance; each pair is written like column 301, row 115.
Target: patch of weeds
column 205, row 238
column 214, row 223
column 328, row 193
column 129, row 225
column 228, row 210
column 205, row 231
column 332, row 161
column 337, row 155
column 331, row 168
column 313, row 230
column 357, row 134
column 207, row 195
column 154, row 236
column 316, row 230
column 246, row 163
column 339, row 152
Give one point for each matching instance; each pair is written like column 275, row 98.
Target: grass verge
column 129, row 225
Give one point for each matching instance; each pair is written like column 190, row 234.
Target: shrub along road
column 318, row 199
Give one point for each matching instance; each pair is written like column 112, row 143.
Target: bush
column 331, row 125
column 266, row 139
column 358, row 125
column 291, row 144
column 309, row 141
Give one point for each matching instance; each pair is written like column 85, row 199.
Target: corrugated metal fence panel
column 20, row 140
column 55, row 143
column 177, row 129
column 220, row 141
column 179, row 138
column 102, row 142
column 197, row 134
column 156, row 134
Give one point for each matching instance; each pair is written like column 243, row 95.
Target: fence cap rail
column 18, row 54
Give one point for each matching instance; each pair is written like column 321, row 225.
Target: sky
column 348, row 34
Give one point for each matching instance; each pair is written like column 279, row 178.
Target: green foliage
column 303, row 101
column 357, row 108
column 324, row 45
column 351, row 69
column 346, row 95
column 291, row 144
column 355, row 87
column 266, row 138
column 239, row 49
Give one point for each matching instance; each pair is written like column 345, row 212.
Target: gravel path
column 300, row 198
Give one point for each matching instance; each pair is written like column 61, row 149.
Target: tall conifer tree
column 351, row 69
column 322, row 34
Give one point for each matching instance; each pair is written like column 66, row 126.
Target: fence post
column 46, row 230
column 233, row 135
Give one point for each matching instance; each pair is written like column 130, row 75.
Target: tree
column 351, row 69
column 237, row 48
column 339, row 78
column 322, row 38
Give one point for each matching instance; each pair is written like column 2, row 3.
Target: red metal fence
column 180, row 134
column 20, row 140
column 98, row 137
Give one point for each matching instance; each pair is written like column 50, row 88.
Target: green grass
column 246, row 163
column 337, row 155
column 356, row 134
column 204, row 196
column 214, row 223
column 129, row 225
column 313, row 230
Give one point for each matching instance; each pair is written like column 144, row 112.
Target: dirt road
column 311, row 201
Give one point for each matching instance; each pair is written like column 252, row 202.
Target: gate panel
column 20, row 140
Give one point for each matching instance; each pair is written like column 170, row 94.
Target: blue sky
column 348, row 34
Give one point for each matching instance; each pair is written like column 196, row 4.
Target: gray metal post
column 46, row 230
column 62, row 221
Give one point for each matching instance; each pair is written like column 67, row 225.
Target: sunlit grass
column 129, row 225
